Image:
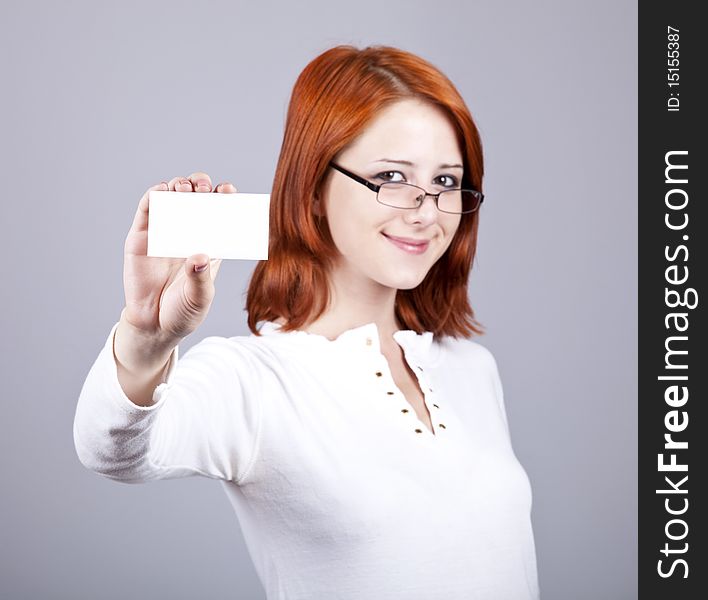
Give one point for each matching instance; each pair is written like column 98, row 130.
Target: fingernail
column 200, row 268
column 202, row 185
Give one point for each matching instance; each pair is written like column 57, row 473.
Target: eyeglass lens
column 401, row 195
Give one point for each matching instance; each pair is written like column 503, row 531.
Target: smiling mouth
column 408, row 246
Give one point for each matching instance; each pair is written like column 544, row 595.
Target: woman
column 359, row 433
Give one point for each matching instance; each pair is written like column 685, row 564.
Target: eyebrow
column 410, row 164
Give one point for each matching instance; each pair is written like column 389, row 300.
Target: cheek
column 450, row 231
column 451, row 226
column 347, row 225
column 352, row 219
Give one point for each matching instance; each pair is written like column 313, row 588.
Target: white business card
column 219, row 225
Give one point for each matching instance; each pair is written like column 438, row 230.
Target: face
column 409, row 141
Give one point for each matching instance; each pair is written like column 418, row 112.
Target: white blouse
column 340, row 490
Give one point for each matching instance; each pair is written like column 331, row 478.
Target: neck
column 353, row 304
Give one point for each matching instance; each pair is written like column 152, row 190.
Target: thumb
column 198, row 285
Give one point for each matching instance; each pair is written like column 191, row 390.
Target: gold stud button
column 419, row 431
column 368, row 341
column 443, row 426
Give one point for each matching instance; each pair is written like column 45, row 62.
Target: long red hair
column 333, row 100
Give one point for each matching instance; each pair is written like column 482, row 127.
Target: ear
column 316, row 206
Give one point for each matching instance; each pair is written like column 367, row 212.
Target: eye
column 448, row 181
column 390, row 176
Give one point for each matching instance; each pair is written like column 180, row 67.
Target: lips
column 410, row 245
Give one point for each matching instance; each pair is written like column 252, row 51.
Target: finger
column 226, row 188
column 140, row 221
column 200, row 181
column 180, row 184
column 198, row 286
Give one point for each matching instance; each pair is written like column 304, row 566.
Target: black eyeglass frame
column 376, row 187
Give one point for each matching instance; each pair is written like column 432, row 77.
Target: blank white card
column 220, row 225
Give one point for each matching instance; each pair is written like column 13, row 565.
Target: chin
column 402, row 282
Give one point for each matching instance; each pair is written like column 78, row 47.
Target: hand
column 167, row 297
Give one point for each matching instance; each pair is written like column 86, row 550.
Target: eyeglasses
column 399, row 194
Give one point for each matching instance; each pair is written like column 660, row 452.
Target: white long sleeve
column 340, row 490
column 200, row 422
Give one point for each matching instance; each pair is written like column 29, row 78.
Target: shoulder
column 241, row 350
column 466, row 353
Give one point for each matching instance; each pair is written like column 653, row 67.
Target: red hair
column 333, row 100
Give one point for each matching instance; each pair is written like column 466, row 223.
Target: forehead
column 408, row 130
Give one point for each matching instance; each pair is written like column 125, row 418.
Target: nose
column 425, row 214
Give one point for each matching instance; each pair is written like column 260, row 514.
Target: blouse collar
column 364, row 336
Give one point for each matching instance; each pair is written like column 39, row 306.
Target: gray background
column 102, row 100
